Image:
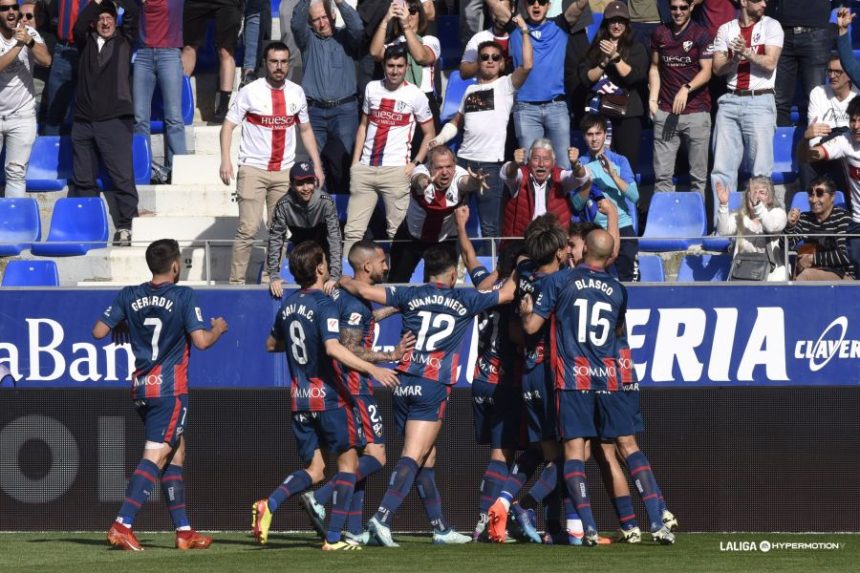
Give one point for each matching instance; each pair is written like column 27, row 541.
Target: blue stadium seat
column 156, row 120
column 704, row 268
column 591, row 29
column 453, row 95
column 341, row 201
column 486, row 262
column 285, row 271
column 141, row 164
column 50, row 167
column 77, row 225
column 31, row 273
column 448, row 32
column 785, row 169
column 713, row 243
column 651, row 269
column 20, row 225
column 675, row 222
column 418, row 273
column 801, row 200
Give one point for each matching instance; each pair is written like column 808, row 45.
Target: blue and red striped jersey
column 439, row 317
column 497, row 354
column 67, row 14
column 355, row 314
column 160, row 319
column 306, row 320
column 626, row 370
column 529, row 281
column 586, row 306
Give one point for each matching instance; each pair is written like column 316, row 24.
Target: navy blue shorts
column 631, row 396
column 367, row 412
column 498, row 415
column 163, row 418
column 333, row 430
column 540, row 406
column 590, row 414
column 419, row 399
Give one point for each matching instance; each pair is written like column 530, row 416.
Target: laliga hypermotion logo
column 823, row 350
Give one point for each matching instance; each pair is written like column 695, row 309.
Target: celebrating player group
column 553, row 381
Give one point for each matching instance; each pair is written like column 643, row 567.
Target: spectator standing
column 822, row 230
column 746, row 51
column 539, row 186
column 613, row 179
column 615, row 66
column 713, row 13
column 268, row 110
column 329, row 55
column 228, row 16
column 305, row 213
column 498, row 33
column 34, row 15
column 828, row 115
column 805, row 50
column 760, row 214
column 483, row 115
column 645, row 17
column 541, row 110
column 21, row 47
column 103, row 126
column 381, row 165
column 64, row 65
column 679, row 100
column 158, row 61
column 436, row 193
column 285, row 15
column 256, row 31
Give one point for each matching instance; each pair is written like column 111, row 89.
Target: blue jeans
column 550, row 120
column 252, row 37
column 61, row 88
column 743, row 129
column 340, row 122
column 805, row 54
column 161, row 65
column 490, row 201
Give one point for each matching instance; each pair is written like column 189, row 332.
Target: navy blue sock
column 646, row 485
column 429, row 494
column 296, row 483
column 398, row 487
column 624, row 510
column 574, row 477
column 520, row 473
column 356, row 507
column 367, row 466
column 344, row 484
column 139, row 489
column 544, row 486
column 323, row 494
column 494, row 476
column 173, row 487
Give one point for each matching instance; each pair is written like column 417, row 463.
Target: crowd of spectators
column 360, row 84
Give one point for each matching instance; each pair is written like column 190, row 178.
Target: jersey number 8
column 297, row 340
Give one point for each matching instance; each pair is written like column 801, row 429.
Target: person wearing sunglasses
column 498, row 32
column 760, row 214
column 823, row 255
column 540, row 109
column 746, row 51
column 21, row 47
column 483, row 116
column 679, row 101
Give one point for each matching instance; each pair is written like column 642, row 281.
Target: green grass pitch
column 296, row 552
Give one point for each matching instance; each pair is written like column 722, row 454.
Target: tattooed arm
column 351, row 339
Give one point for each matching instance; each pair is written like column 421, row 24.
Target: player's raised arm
column 339, row 352
column 363, row 290
column 203, row 339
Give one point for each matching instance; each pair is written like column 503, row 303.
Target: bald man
column 590, row 305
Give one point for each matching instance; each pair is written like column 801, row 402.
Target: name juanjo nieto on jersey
column 454, row 305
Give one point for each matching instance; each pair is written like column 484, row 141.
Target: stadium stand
column 704, row 268
column 31, row 273
column 676, row 221
column 801, row 201
column 713, row 243
column 77, row 225
column 20, row 225
column 651, row 269
column 448, row 32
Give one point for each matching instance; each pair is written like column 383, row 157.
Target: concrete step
column 199, row 170
column 182, row 200
column 188, row 229
column 207, row 140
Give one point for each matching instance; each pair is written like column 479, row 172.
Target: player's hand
column 120, row 334
column 520, row 156
column 218, row 324
column 226, row 172
column 793, row 216
column 816, row 129
column 526, row 305
column 844, row 17
column 329, row 286
column 722, row 193
column 680, row 103
column 276, row 287
column 406, row 344
column 461, row 216
column 386, row 377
